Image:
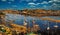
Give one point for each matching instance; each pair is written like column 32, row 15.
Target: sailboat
column 31, row 32
column 25, row 21
column 56, row 26
column 48, row 28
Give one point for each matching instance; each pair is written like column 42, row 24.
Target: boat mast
column 48, row 28
column 56, row 26
column 25, row 23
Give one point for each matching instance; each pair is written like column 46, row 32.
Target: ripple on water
column 19, row 19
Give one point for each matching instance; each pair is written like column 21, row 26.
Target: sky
column 30, row 4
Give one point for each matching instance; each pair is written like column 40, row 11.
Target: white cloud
column 33, row 3
column 50, row 1
column 32, row 6
column 55, row 6
column 55, row 0
column 44, row 2
column 3, row 0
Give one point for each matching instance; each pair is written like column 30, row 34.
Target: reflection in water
column 19, row 19
column 32, row 24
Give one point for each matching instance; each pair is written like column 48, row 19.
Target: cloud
column 55, row 3
column 55, row 0
column 50, row 1
column 32, row 6
column 11, row 0
column 44, row 6
column 14, row 6
column 3, row 0
column 33, row 3
column 25, row 0
column 54, row 6
column 28, row 0
column 37, row 3
column 44, row 2
column 34, row 0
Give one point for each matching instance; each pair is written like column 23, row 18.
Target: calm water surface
column 19, row 19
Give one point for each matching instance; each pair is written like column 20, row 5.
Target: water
column 19, row 19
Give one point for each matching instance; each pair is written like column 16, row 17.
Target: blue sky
column 30, row 4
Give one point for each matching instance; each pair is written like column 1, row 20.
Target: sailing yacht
column 25, row 23
column 48, row 28
column 56, row 26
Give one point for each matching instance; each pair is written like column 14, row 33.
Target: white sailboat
column 25, row 23
column 48, row 28
column 56, row 26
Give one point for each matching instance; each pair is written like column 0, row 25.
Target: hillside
column 36, row 12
